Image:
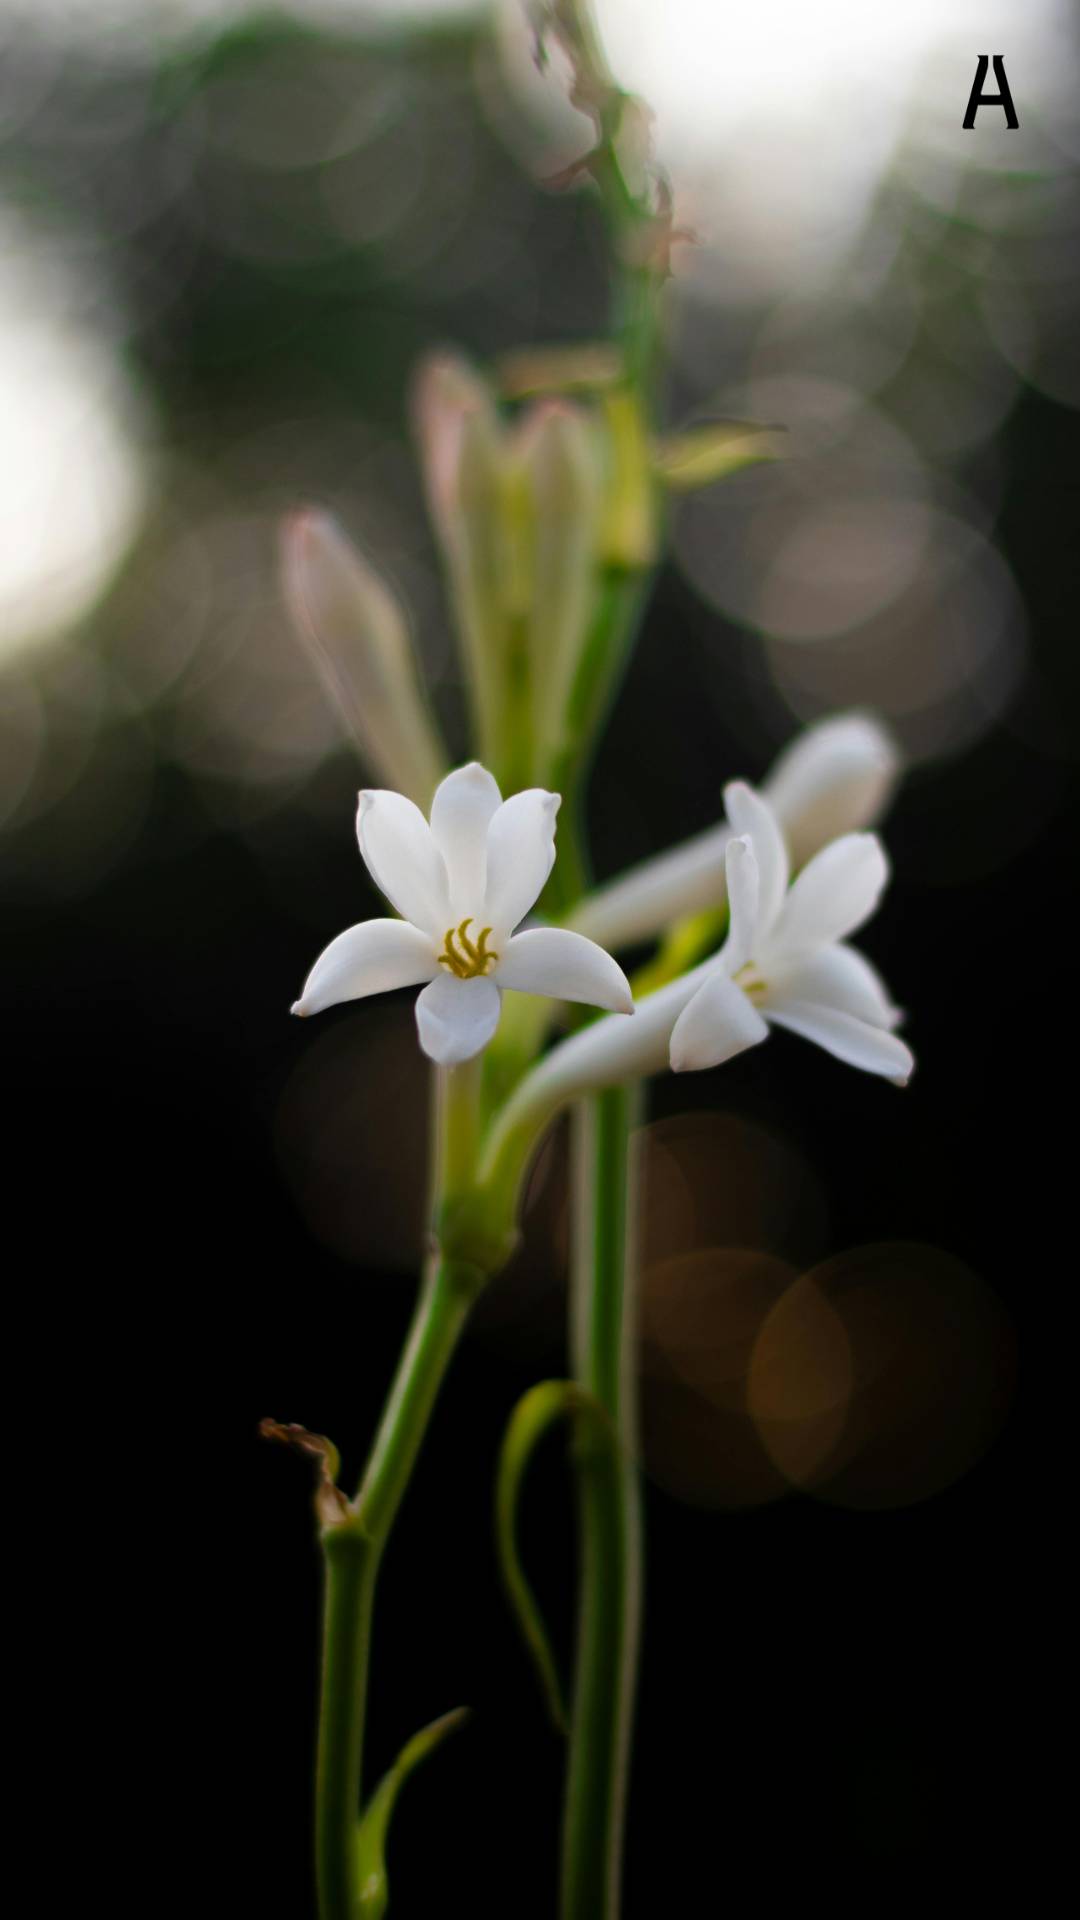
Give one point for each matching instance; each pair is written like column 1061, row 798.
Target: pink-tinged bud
column 357, row 636
column 446, row 393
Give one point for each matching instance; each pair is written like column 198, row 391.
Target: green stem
column 447, row 1294
column 351, row 1568
column 355, row 1534
column 609, row 1516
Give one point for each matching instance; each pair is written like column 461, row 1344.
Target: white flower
column 834, row 778
column 784, row 961
column 461, row 885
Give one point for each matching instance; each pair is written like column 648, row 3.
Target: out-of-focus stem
column 602, row 1305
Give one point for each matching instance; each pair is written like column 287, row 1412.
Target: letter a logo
column 980, row 99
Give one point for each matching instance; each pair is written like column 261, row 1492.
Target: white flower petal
column 849, row 1039
column 567, row 967
column 833, row 895
column 456, row 1018
column 835, row 778
column 719, row 1022
column 461, row 811
column 520, row 855
column 750, row 814
column 403, row 860
column 836, row 977
column 374, row 957
column 743, row 884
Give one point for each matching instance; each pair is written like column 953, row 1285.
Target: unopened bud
column 562, row 466
column 837, row 777
column 357, row 635
column 446, row 392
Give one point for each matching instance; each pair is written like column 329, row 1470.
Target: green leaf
column 702, row 454
column 374, row 1892
column 539, row 1410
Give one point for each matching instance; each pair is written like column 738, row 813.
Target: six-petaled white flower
column 785, row 961
column 461, row 884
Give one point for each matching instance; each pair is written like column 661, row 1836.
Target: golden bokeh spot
column 700, row 1316
column 720, row 1180
column 467, row 960
column 904, row 1352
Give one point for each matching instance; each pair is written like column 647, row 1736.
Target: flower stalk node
column 475, row 1241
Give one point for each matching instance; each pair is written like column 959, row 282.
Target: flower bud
column 356, row 633
column 563, row 492
column 446, row 392
column 835, row 778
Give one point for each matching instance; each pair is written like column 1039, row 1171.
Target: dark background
column 831, row 1698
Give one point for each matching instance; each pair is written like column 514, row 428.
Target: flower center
column 466, row 959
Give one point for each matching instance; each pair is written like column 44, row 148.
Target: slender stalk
column 448, row 1291
column 351, row 1566
column 609, row 1516
column 355, row 1532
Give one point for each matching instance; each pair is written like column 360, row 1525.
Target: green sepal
column 700, row 455
column 535, row 1413
column 373, row 1892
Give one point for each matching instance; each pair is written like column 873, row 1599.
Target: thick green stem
column 609, row 1516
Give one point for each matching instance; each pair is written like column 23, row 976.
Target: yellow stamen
column 749, row 979
column 473, row 960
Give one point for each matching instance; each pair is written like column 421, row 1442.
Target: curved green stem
column 609, row 1515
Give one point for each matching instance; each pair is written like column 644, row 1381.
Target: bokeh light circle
column 926, row 1352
